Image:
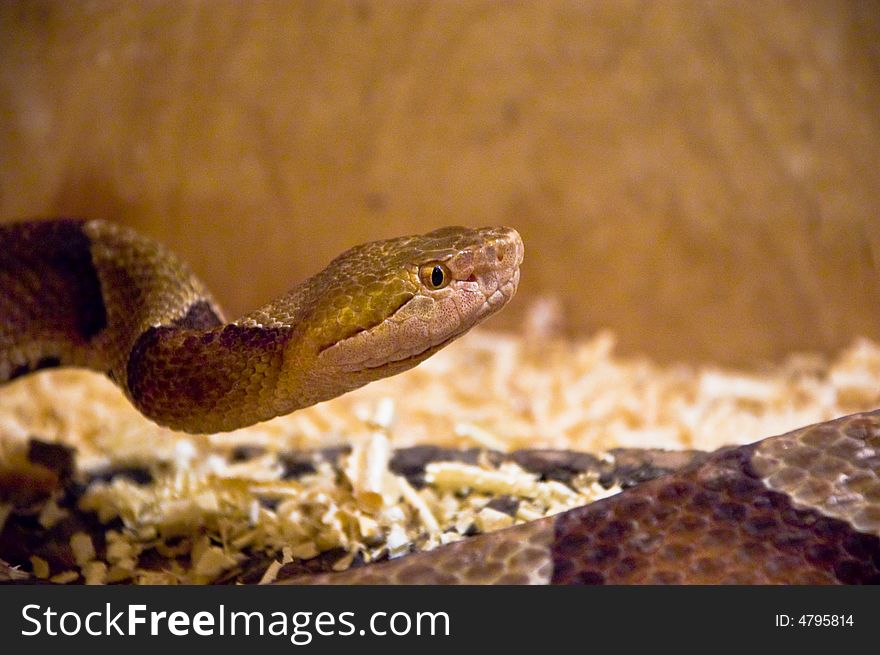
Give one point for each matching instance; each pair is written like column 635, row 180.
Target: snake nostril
column 472, row 278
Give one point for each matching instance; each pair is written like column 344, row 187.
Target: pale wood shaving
column 366, row 470
column 204, row 512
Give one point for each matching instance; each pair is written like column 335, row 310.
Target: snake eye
column 434, row 276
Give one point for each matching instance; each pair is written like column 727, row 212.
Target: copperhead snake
column 803, row 507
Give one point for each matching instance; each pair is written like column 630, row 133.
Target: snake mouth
column 407, row 361
column 413, row 358
column 361, row 330
column 490, row 306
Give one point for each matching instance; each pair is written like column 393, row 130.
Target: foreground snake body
column 798, row 508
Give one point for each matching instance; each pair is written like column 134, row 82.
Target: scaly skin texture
column 801, row 508
column 93, row 294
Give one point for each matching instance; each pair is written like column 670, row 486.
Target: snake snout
column 509, row 247
column 505, row 246
column 499, row 254
column 496, row 265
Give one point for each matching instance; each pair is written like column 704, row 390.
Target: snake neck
column 167, row 378
column 95, row 295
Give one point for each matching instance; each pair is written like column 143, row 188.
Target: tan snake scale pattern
column 798, row 508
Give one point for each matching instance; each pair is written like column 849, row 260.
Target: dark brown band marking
column 61, row 252
column 19, row 371
column 43, row 362
column 715, row 523
column 136, row 367
column 166, row 369
column 199, row 316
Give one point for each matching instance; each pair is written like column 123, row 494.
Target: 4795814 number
column 814, row 620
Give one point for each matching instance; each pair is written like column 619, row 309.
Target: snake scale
column 801, row 508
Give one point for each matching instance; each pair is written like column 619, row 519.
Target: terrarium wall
column 701, row 177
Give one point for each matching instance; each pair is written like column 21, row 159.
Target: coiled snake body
column 798, row 508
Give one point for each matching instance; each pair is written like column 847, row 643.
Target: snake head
column 396, row 302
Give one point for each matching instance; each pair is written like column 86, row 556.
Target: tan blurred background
column 701, row 177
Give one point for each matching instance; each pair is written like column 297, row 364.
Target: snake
column 97, row 295
column 797, row 508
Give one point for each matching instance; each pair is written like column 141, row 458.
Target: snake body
column 803, row 507
column 800, row 508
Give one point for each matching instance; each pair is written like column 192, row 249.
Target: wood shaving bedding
column 201, row 506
